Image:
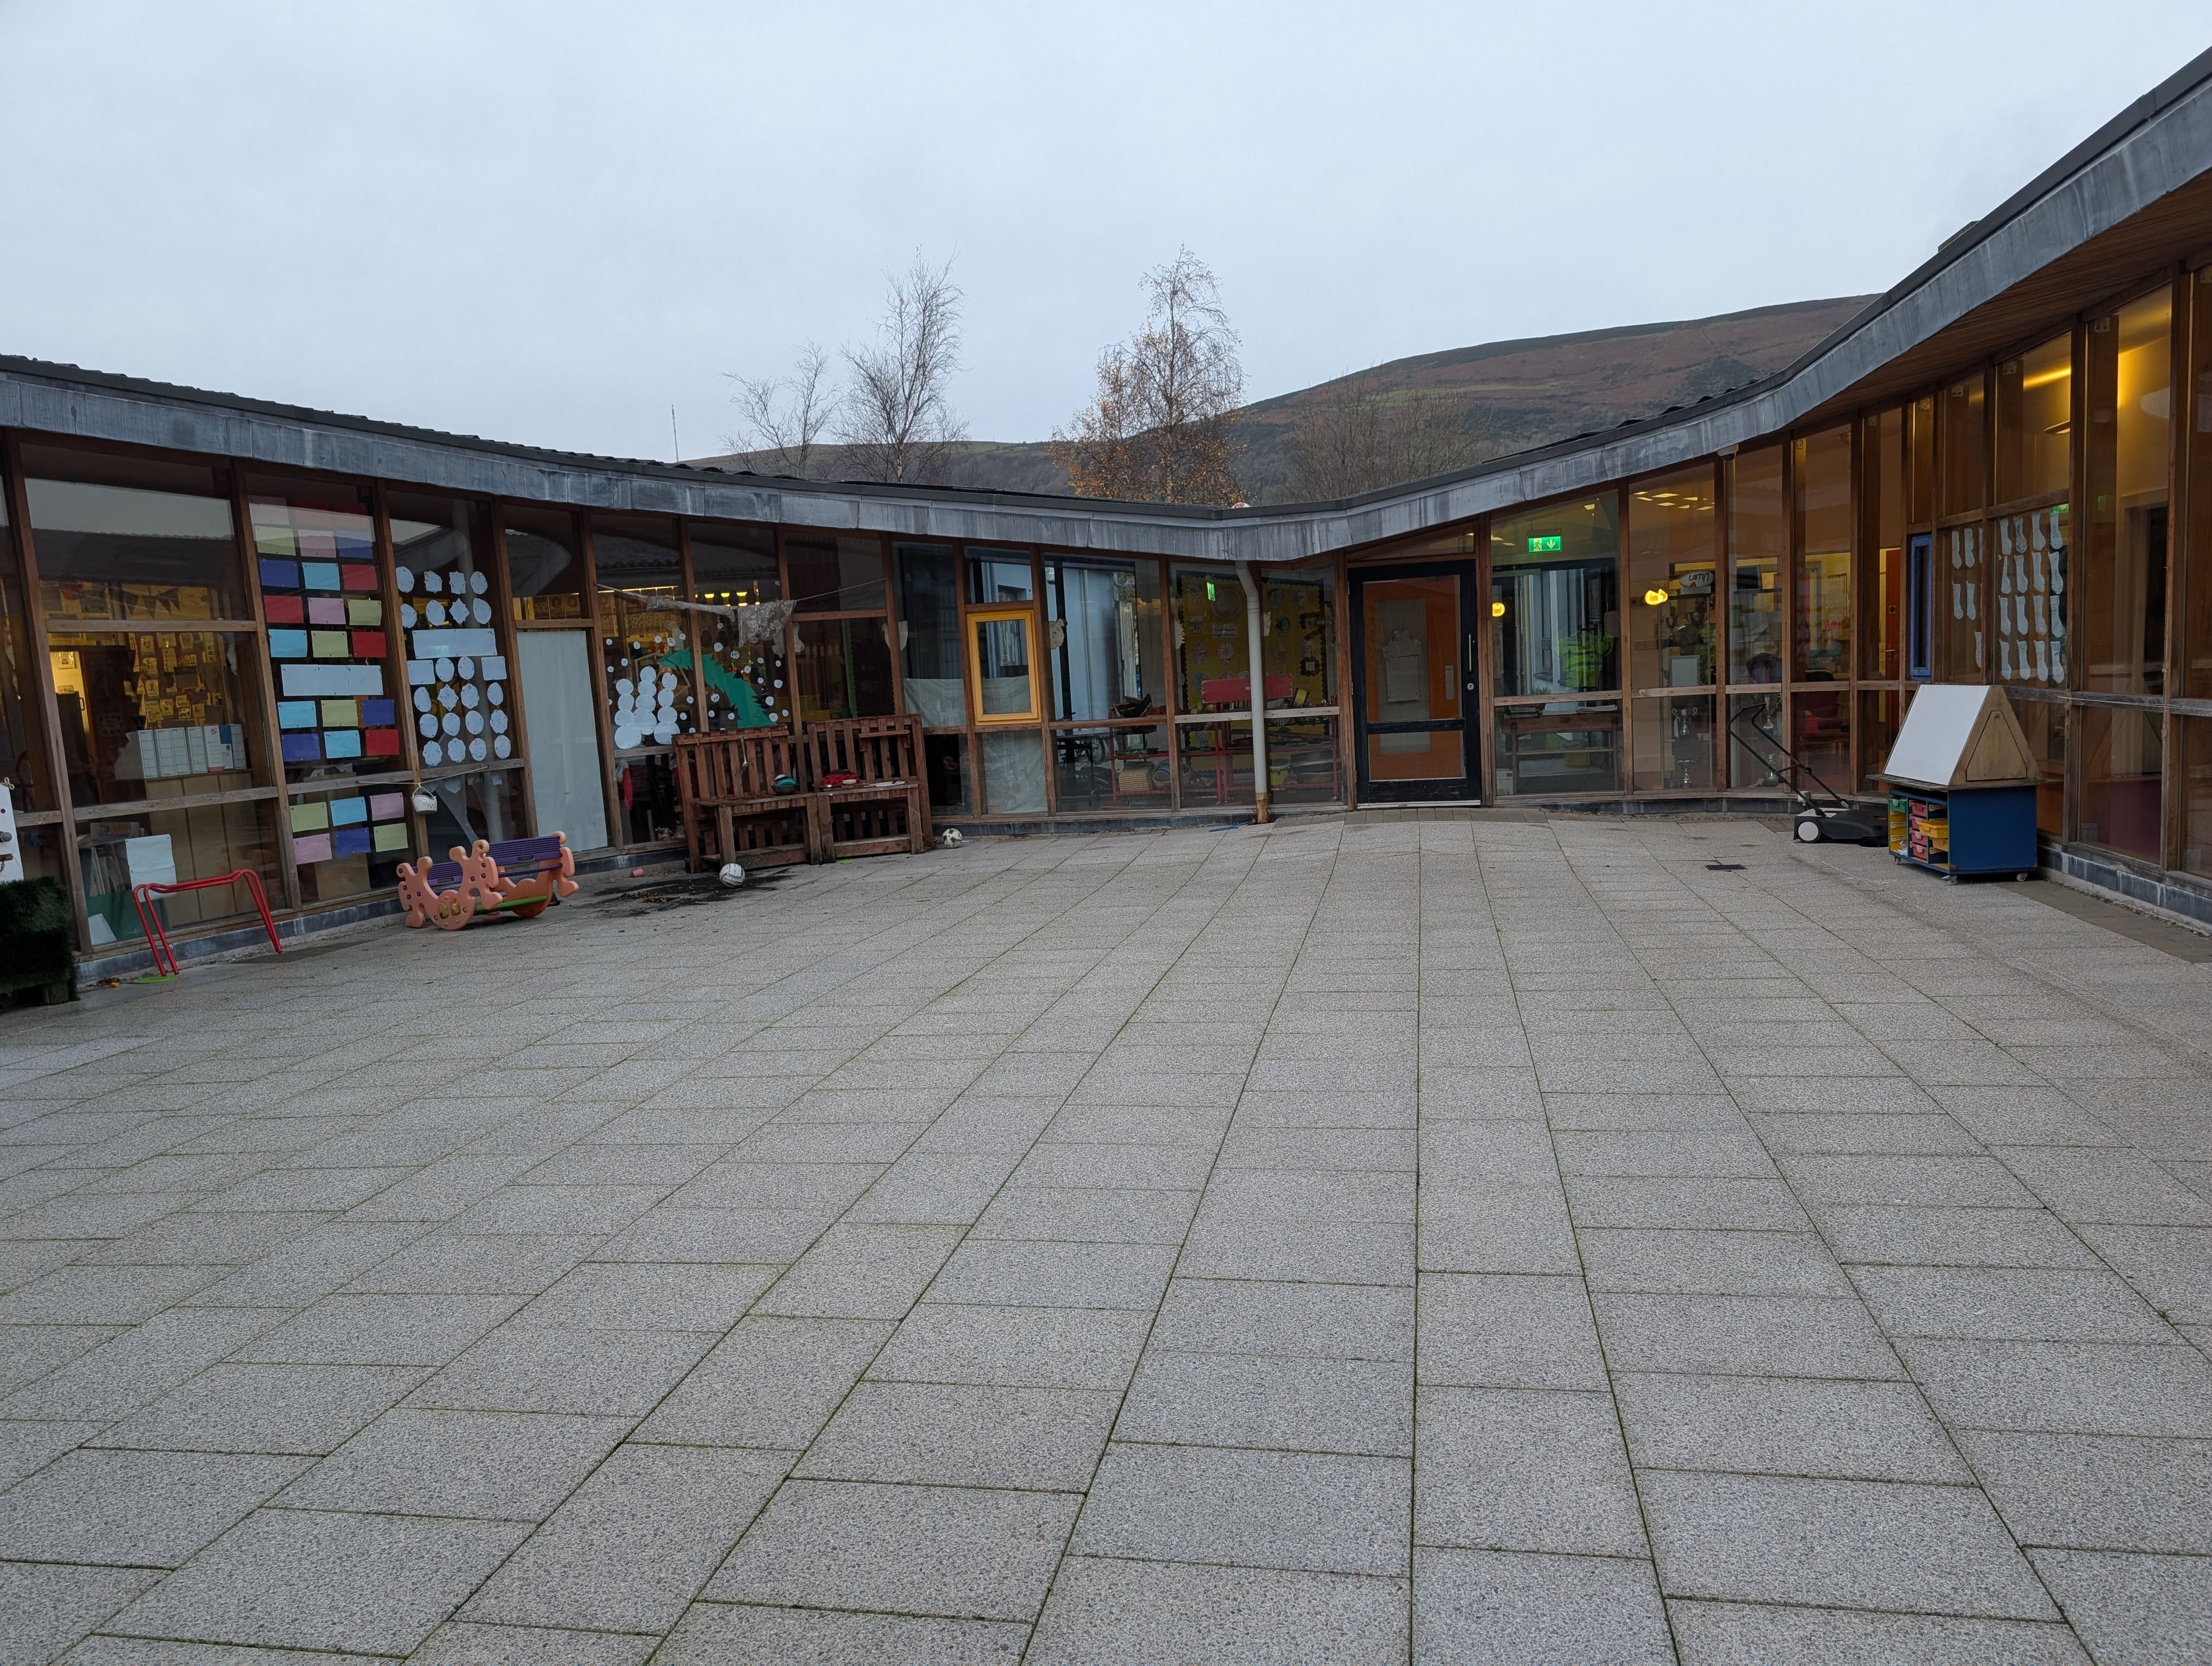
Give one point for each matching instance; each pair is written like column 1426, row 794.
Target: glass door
column 1419, row 704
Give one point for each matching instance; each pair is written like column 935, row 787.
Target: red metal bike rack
column 157, row 940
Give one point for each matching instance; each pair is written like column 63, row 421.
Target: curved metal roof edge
column 2157, row 144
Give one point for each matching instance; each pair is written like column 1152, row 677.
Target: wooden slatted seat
column 885, row 807
column 732, row 812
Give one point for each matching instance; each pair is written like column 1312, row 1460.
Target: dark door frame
column 1468, row 789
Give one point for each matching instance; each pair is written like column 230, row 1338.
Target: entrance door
column 557, row 692
column 1413, row 646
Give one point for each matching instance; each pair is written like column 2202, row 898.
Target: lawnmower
column 1823, row 813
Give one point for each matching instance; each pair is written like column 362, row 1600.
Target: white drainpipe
column 1255, row 627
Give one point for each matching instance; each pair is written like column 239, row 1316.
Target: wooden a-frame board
column 1958, row 735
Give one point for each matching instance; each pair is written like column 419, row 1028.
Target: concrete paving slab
column 1877, row 1220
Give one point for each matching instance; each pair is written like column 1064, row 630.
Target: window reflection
column 1823, row 482
column 1881, row 513
column 1104, row 628
column 1672, row 567
column 544, row 565
column 1555, row 600
column 2131, row 396
column 108, row 550
column 834, row 574
column 151, row 715
column 1212, row 666
column 929, row 629
column 844, row 669
column 736, row 566
column 2035, row 421
column 1757, row 536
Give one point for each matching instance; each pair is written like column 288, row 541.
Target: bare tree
column 1161, row 425
column 896, row 420
column 1360, row 437
column 781, row 418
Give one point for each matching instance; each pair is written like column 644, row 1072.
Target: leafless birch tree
column 897, row 421
column 1161, row 425
column 781, row 418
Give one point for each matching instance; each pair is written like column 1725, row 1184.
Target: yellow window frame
column 976, row 619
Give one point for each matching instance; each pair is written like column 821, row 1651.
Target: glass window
column 929, row 635
column 330, row 648
column 2035, row 422
column 952, row 782
column 2196, row 585
column 2196, row 855
column 1674, row 564
column 649, row 649
column 1757, row 535
column 999, row 576
column 1116, row 768
column 1555, row 599
column 1964, row 447
column 117, row 537
column 736, row 566
column 1879, row 715
column 1822, row 719
column 1299, row 619
column 1920, row 457
column 1881, row 573
column 2044, row 722
column 2030, row 592
column 833, row 573
column 456, row 649
column 153, row 714
column 162, row 846
column 484, row 804
column 2121, row 802
column 646, row 800
column 1822, row 481
column 545, row 564
column 1565, row 746
column 350, row 842
column 1302, row 761
column 1959, row 601
column 1013, row 772
column 1104, row 624
column 844, row 670
column 1754, row 732
column 1674, row 743
column 22, row 745
column 2131, row 396
column 1004, row 665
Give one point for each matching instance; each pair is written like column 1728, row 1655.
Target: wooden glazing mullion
column 26, row 561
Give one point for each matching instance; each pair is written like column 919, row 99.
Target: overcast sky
column 548, row 223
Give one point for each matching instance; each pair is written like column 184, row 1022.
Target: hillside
column 1508, row 396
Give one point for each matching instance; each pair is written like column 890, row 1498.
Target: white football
column 952, row 836
column 732, row 875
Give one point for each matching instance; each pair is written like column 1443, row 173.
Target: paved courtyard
column 1454, row 1240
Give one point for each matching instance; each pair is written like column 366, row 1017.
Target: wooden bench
column 869, row 776
column 520, row 876
column 858, row 790
column 732, row 810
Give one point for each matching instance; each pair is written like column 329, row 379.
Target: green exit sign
column 1546, row 545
